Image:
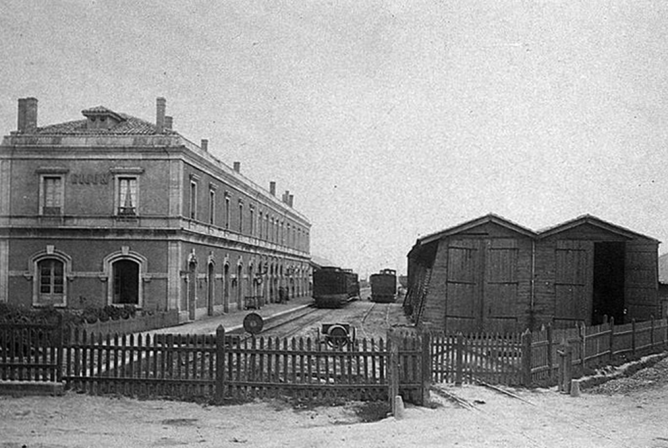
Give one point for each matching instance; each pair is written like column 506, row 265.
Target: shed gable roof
column 595, row 222
column 473, row 224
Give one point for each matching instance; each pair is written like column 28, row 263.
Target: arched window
column 49, row 270
column 51, row 282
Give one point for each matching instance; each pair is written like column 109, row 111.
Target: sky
column 387, row 120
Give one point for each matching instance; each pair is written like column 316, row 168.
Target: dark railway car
column 334, row 287
column 384, row 286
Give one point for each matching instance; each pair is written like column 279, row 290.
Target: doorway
column 210, row 290
column 608, row 290
column 126, row 282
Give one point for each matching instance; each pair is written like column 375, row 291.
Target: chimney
column 205, row 146
column 237, row 167
column 22, row 114
column 161, row 105
column 291, row 199
column 285, row 196
column 31, row 114
column 272, row 188
column 169, row 121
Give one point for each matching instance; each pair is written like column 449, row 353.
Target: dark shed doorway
column 608, row 282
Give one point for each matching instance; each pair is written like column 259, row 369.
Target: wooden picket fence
column 30, row 352
column 492, row 358
column 589, row 347
column 222, row 367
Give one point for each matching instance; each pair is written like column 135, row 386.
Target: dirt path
column 542, row 418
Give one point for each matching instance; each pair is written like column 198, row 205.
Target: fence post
column 426, row 366
column 220, row 364
column 565, row 367
column 393, row 391
column 612, row 338
column 459, row 361
column 526, row 358
column 633, row 337
column 651, row 333
column 582, row 332
column 550, row 351
column 60, row 335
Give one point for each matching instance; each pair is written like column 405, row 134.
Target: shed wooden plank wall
column 481, row 278
column 641, row 286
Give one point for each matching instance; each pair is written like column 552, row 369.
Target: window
column 127, row 196
column 241, row 216
column 193, row 200
column 260, row 222
column 212, row 206
column 227, row 210
column 51, row 283
column 52, row 195
column 252, row 220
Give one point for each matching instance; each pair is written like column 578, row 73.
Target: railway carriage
column 334, row 287
column 384, row 286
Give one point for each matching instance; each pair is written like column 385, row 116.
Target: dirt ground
column 629, row 412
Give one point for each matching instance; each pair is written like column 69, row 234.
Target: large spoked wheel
column 337, row 337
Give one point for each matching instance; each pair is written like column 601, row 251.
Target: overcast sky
column 387, row 120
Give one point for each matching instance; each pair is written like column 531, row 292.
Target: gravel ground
column 653, row 377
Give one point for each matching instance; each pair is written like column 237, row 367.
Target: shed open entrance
column 608, row 282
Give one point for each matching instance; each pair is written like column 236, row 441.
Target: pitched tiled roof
column 129, row 125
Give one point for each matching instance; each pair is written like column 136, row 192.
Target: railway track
column 539, row 412
column 377, row 308
column 293, row 324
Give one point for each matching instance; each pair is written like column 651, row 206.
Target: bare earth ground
column 630, row 412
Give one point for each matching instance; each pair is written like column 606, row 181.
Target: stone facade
column 114, row 210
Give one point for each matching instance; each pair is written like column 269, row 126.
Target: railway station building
column 111, row 209
column 490, row 274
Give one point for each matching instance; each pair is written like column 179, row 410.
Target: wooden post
column 220, row 364
column 459, row 361
column 633, row 337
column 612, row 338
column 651, row 333
column 550, row 350
column 59, row 336
column 582, row 332
column 425, row 366
column 393, row 391
column 526, row 358
column 565, row 367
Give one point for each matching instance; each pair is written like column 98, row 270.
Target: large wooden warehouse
column 490, row 274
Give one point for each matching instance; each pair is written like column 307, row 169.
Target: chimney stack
column 161, row 106
column 205, row 145
column 286, row 195
column 237, row 167
column 291, row 199
column 272, row 188
column 22, row 114
column 30, row 122
column 169, row 121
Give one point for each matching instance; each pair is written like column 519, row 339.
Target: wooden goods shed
column 490, row 274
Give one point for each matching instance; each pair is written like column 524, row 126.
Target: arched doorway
column 210, row 276
column 226, row 288
column 239, row 286
column 125, row 288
